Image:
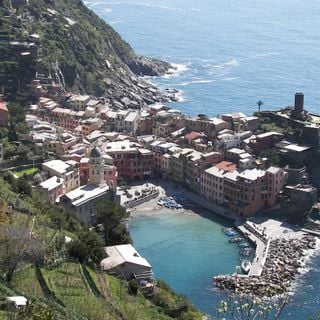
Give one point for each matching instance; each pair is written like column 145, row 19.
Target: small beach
column 151, row 207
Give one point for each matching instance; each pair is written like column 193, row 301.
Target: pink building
column 212, row 181
column 197, row 162
column 252, row 190
column 110, row 173
column 4, row 114
column 111, row 176
column 276, row 178
column 84, row 170
column 264, row 141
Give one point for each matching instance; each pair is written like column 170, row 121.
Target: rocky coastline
column 136, row 92
column 284, row 259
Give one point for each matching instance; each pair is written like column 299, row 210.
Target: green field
column 69, row 285
column 28, row 172
column 27, row 282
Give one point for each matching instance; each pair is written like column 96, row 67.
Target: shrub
column 133, row 287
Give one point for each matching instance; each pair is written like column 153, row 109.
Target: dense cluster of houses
column 97, row 147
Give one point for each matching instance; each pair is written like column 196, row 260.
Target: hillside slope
column 68, row 43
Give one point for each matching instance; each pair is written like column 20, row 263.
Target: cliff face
column 69, row 43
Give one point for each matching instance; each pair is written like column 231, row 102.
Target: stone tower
column 298, row 102
column 96, row 167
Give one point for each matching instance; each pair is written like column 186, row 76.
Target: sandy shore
column 151, row 207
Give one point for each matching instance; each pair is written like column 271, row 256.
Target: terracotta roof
column 192, row 135
column 226, row 166
column 3, row 106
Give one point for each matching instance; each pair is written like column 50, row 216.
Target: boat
column 235, row 239
column 245, row 252
column 246, row 266
column 244, row 245
column 231, row 233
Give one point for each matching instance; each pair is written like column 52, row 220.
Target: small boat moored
column 246, row 266
column 246, row 251
column 235, row 239
column 244, row 245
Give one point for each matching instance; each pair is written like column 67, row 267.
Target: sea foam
column 196, row 82
column 176, row 70
column 154, row 6
column 228, row 64
column 305, row 267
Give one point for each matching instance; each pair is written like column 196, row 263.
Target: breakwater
column 283, row 260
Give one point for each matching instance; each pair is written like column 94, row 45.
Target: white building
column 53, row 188
column 83, row 201
column 120, row 120
column 68, row 171
column 18, row 301
column 228, row 141
column 212, row 183
column 79, row 101
column 131, row 122
column 124, row 261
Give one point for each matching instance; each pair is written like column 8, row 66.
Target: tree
column 89, row 247
column 4, row 218
column 17, row 114
column 259, row 103
column 23, row 186
column 36, row 311
column 17, row 247
column 271, row 155
column 110, row 215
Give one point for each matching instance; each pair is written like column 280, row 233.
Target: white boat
column 246, row 266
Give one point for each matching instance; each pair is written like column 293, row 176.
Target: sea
column 228, row 55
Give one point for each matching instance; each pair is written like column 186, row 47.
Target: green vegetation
column 110, row 215
column 272, row 156
column 69, row 286
column 88, row 248
column 26, row 280
column 35, row 262
column 80, row 290
column 73, row 40
column 27, row 172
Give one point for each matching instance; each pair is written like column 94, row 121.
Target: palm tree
column 259, row 103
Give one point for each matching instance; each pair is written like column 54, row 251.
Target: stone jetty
column 284, row 258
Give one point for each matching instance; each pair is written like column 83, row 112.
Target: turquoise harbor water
column 230, row 54
column 187, row 251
